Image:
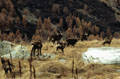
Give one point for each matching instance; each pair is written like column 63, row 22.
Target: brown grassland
column 55, row 69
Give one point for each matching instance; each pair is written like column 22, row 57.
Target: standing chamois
column 36, row 46
column 61, row 46
column 108, row 40
column 71, row 42
column 55, row 38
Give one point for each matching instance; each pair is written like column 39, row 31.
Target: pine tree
column 26, row 38
column 12, row 10
column 60, row 22
column 81, row 31
column 102, row 34
column 39, row 23
column 66, row 11
column 56, row 8
column 69, row 33
column 78, row 21
column 17, row 20
column 11, row 37
column 1, row 4
column 24, row 21
column 25, row 11
column 108, row 32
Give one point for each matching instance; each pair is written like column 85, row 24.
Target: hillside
column 96, row 11
column 51, row 39
column 24, row 15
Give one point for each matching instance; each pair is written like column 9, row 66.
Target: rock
column 18, row 52
column 102, row 55
column 47, row 56
column 5, row 47
column 62, row 60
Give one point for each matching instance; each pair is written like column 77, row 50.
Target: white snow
column 103, row 55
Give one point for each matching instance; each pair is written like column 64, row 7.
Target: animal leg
column 63, row 51
column 6, row 71
column 104, row 43
column 34, row 52
column 40, row 52
column 10, row 69
column 31, row 52
column 57, row 49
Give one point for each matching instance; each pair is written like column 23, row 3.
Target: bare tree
column 20, row 68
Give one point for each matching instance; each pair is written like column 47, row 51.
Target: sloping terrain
column 26, row 15
column 97, row 11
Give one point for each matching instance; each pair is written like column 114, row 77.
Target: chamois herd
column 56, row 38
column 8, row 66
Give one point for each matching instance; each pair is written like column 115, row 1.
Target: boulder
column 45, row 56
column 18, row 52
column 102, row 55
column 5, row 47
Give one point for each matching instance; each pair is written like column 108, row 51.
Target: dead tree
column 36, row 46
column 76, row 72
column 34, row 72
column 108, row 40
column 30, row 64
column 20, row 69
column 73, row 69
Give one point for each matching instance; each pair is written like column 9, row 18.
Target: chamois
column 61, row 46
column 55, row 38
column 36, row 46
column 108, row 40
column 71, row 42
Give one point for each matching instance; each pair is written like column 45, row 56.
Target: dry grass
column 54, row 69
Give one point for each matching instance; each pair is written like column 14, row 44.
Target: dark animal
column 108, row 40
column 61, row 46
column 84, row 37
column 6, row 65
column 55, row 38
column 36, row 46
column 71, row 42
